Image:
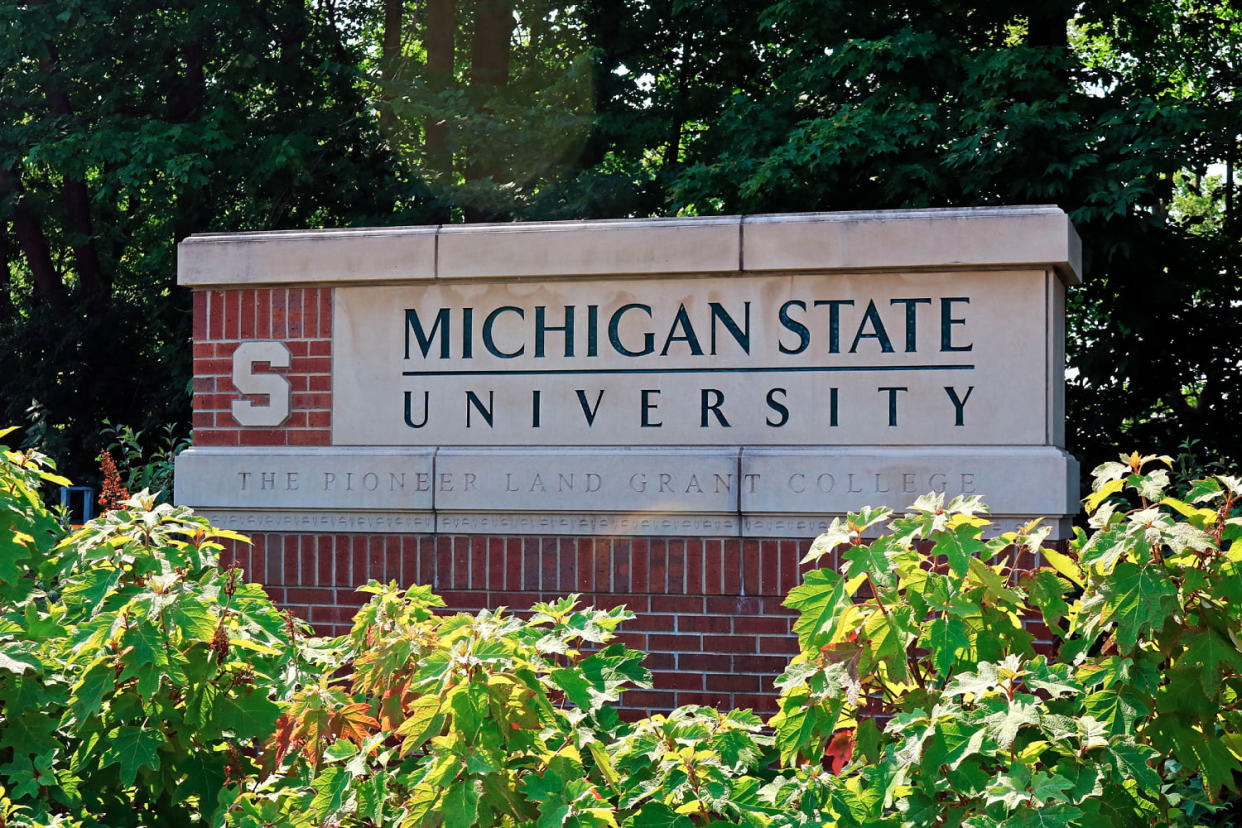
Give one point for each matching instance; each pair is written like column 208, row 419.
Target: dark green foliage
column 128, row 125
column 124, row 127
column 1131, row 716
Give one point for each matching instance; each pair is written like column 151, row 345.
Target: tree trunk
column 1047, row 25
column 76, row 197
column 489, row 52
column 604, row 23
column 187, row 101
column 6, row 268
column 489, row 72
column 1229, row 213
column 672, row 152
column 33, row 242
column 440, row 29
column 390, row 58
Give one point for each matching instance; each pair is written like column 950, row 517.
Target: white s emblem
column 276, row 387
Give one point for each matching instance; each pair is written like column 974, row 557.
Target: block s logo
column 277, row 389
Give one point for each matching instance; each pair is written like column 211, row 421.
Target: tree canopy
column 128, row 125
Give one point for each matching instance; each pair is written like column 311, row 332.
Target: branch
column 30, row 236
column 77, row 199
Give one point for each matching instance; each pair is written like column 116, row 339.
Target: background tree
column 126, row 126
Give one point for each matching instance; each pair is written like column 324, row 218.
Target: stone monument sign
column 745, row 376
column 661, row 413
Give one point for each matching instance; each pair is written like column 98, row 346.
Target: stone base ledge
column 767, row 492
column 810, row 526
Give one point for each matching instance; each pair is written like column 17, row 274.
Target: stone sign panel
column 794, row 359
column 728, row 376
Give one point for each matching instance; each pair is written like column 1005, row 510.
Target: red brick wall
column 708, row 610
column 299, row 317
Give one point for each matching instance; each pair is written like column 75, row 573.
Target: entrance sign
column 864, row 359
column 720, row 376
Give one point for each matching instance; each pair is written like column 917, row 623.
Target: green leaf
column 330, row 787
column 552, row 814
column 889, row 633
column 1138, row 598
column 874, row 560
column 204, row 777
column 469, row 704
column 424, row 721
column 1048, row 816
column 88, row 693
column 945, row 638
column 247, row 715
column 1063, row 564
column 1204, row 490
column 838, row 533
column 867, row 740
column 19, row 662
column 959, row 545
column 818, row 600
column 1103, row 492
column 978, row 684
column 953, row 742
column 1215, row 763
column 1049, row 786
column 658, row 815
column 577, row 689
column 1046, row 591
column 1115, row 708
column 545, row 786
column 193, row 620
column 1105, row 547
column 461, row 805
column 995, row 588
column 800, row 725
column 1150, row 486
column 1010, row 789
column 1131, row 761
column 1003, row 726
column 1054, row 679
column 1209, row 654
column 132, row 748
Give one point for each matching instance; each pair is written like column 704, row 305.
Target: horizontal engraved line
column 803, row 369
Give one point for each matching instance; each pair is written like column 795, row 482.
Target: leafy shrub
column 136, row 676
column 145, row 458
column 1131, row 717
column 140, row 684
column 464, row 720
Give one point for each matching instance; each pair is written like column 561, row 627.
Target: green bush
column 136, row 676
column 1132, row 717
column 142, row 685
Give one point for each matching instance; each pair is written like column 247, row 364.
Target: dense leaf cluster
column 136, row 676
column 1132, row 716
column 140, row 684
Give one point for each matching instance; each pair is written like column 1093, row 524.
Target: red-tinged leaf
column 279, row 743
column 315, row 729
column 392, row 707
column 839, row 751
column 354, row 722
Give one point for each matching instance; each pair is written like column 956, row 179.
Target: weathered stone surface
column 367, row 479
column 947, row 358
column 994, row 237
column 710, row 377
column 374, row 254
